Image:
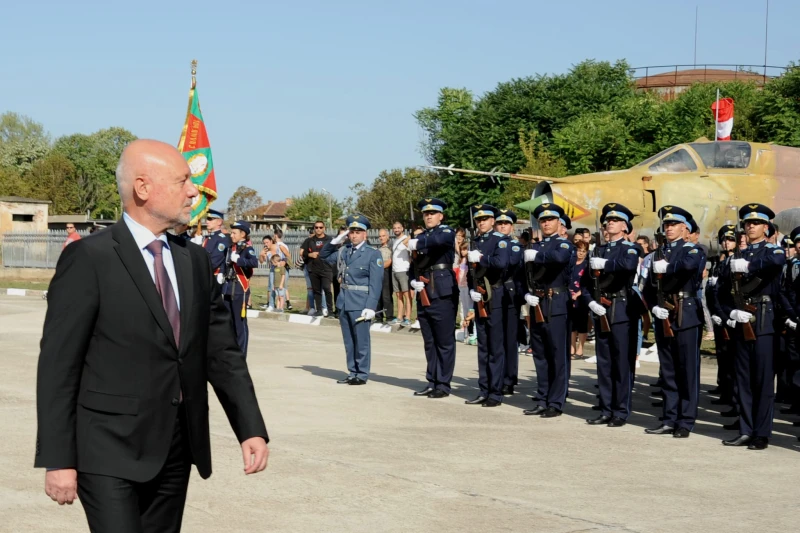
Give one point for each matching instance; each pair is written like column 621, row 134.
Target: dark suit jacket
column 110, row 375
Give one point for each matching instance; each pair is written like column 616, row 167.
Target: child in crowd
column 280, row 282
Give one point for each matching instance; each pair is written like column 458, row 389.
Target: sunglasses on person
column 319, row 227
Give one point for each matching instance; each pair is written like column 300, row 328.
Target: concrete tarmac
column 377, row 459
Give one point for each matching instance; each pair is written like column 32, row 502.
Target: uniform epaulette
column 561, row 238
column 515, row 241
column 770, row 245
column 498, row 234
column 688, row 245
column 443, row 226
column 627, row 243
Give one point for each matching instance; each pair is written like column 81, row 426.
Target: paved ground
column 377, row 459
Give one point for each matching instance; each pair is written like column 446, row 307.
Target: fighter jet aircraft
column 709, row 179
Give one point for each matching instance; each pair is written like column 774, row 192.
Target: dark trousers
column 679, row 358
column 725, row 360
column 491, row 353
column 236, row 306
column 356, row 343
column 387, row 303
column 437, row 324
column 155, row 506
column 321, row 282
column 755, row 377
column 511, row 323
column 549, row 342
column 793, row 369
column 616, row 357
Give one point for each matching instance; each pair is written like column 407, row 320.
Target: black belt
column 622, row 293
column 552, row 291
column 441, row 266
column 758, row 299
column 682, row 295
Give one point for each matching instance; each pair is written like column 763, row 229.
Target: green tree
column 777, row 117
column 12, row 184
column 392, row 194
column 22, row 141
column 313, row 205
column 539, row 162
column 54, row 178
column 243, row 199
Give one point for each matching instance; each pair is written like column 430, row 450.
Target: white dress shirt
column 143, row 237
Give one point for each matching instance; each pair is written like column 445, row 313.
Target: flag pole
column 716, row 118
column 199, row 230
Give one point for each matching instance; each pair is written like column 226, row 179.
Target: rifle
column 738, row 293
column 478, row 280
column 418, row 265
column 531, row 277
column 597, row 295
column 659, row 255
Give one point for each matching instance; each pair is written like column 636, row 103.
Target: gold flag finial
column 194, row 73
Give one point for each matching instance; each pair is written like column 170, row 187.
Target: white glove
column 717, row 320
column 476, row 296
column 712, row 281
column 220, row 278
column 660, row 312
column 340, row 238
column 792, row 325
column 731, row 323
column 739, row 265
column 234, row 257
column 597, row 263
column 412, row 244
column 531, row 300
column 597, row 309
column 530, row 255
column 367, row 314
column 417, row 285
column 474, row 256
column 197, row 239
column 659, row 267
column 741, row 316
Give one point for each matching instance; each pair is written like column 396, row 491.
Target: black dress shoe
column 681, row 433
column 729, row 414
column 759, row 443
column 657, row 404
column 477, row 400
column 661, row 430
column 659, row 393
column 551, row 412
column 357, row 381
column 733, row 426
column 617, row 422
column 596, row 408
column 602, row 419
column 424, row 392
column 721, row 401
column 491, row 403
column 535, row 411
column 508, row 390
column 796, row 424
column 346, row 380
column 741, row 440
column 714, row 392
column 438, row 394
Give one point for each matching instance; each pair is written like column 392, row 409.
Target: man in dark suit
column 134, row 331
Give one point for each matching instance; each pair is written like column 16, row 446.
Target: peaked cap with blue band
column 548, row 210
column 727, row 231
column 483, row 210
column 770, row 230
column 672, row 213
column 795, row 234
column 431, row 204
column 566, row 221
column 358, row 222
column 693, row 226
column 757, row 212
column 213, row 213
column 506, row 215
column 617, row 211
column 242, row 225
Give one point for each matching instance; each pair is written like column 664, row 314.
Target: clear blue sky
column 322, row 94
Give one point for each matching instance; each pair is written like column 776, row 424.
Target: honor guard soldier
column 361, row 270
column 548, row 265
column 607, row 287
column 675, row 278
column 216, row 243
column 749, row 299
column 504, row 223
column 239, row 265
column 434, row 281
column 791, row 287
column 488, row 259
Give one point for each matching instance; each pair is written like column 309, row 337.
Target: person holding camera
column 239, row 267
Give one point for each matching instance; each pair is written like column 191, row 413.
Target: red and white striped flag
column 723, row 113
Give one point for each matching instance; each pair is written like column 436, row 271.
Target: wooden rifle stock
column 747, row 327
column 538, row 316
column 423, row 294
column 481, row 305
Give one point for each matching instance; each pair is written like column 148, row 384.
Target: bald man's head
column 155, row 185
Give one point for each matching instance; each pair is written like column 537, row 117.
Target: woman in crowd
column 580, row 310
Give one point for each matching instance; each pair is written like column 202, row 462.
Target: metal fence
column 42, row 250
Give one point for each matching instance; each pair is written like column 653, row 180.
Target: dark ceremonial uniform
column 433, row 260
column 679, row 356
column 236, row 290
column 217, row 245
column 723, row 347
column 616, row 349
column 791, row 289
column 513, row 283
column 361, row 271
column 495, row 249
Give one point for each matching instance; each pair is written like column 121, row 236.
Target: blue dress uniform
column 722, row 344
column 361, row 271
column 550, row 339
column 434, row 252
column 512, row 301
column 617, row 262
column 760, row 267
column 236, row 289
column 679, row 356
column 494, row 248
column 217, row 245
column 791, row 288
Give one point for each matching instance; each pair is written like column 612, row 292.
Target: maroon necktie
column 164, row 287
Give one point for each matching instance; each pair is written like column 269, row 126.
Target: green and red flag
column 196, row 149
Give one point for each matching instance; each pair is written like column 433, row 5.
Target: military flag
column 196, row 149
column 723, row 116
